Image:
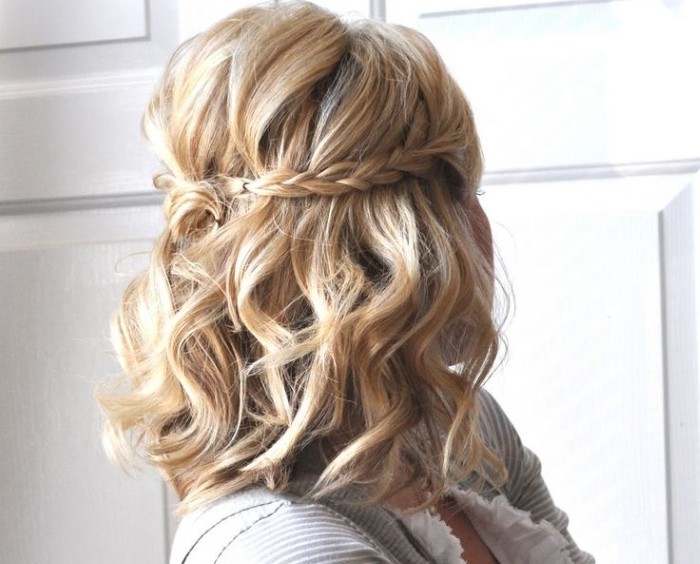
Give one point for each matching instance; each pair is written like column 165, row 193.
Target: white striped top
column 257, row 526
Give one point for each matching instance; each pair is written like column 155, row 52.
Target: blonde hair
column 318, row 271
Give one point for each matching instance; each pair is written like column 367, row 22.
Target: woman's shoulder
column 260, row 526
column 525, row 488
column 203, row 534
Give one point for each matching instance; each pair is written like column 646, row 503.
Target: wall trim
column 497, row 177
column 680, row 370
column 71, row 44
column 377, row 10
column 591, row 171
column 74, row 203
column 506, row 6
column 68, row 86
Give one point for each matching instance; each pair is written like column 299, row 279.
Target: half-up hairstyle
column 319, row 271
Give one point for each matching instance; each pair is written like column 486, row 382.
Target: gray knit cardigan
column 257, row 526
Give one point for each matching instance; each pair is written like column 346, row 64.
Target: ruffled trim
column 510, row 533
column 435, row 535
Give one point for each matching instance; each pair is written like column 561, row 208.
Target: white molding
column 483, row 6
column 681, row 382
column 73, row 227
column 592, row 171
column 83, row 85
column 377, row 9
column 76, row 203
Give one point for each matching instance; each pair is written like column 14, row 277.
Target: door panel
column 70, row 112
column 601, row 374
column 33, row 23
column 63, row 501
column 557, row 84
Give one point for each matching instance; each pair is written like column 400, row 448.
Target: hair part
column 318, row 272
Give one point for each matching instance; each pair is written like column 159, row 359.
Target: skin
column 474, row 550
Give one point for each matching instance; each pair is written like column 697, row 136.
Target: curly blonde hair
column 319, row 271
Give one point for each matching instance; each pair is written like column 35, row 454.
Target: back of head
column 318, row 271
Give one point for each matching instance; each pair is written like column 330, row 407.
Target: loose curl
column 318, row 272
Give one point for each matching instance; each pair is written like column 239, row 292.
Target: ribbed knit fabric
column 257, row 526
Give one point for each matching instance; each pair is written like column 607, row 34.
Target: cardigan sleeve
column 525, row 488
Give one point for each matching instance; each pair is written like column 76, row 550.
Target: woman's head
column 324, row 260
